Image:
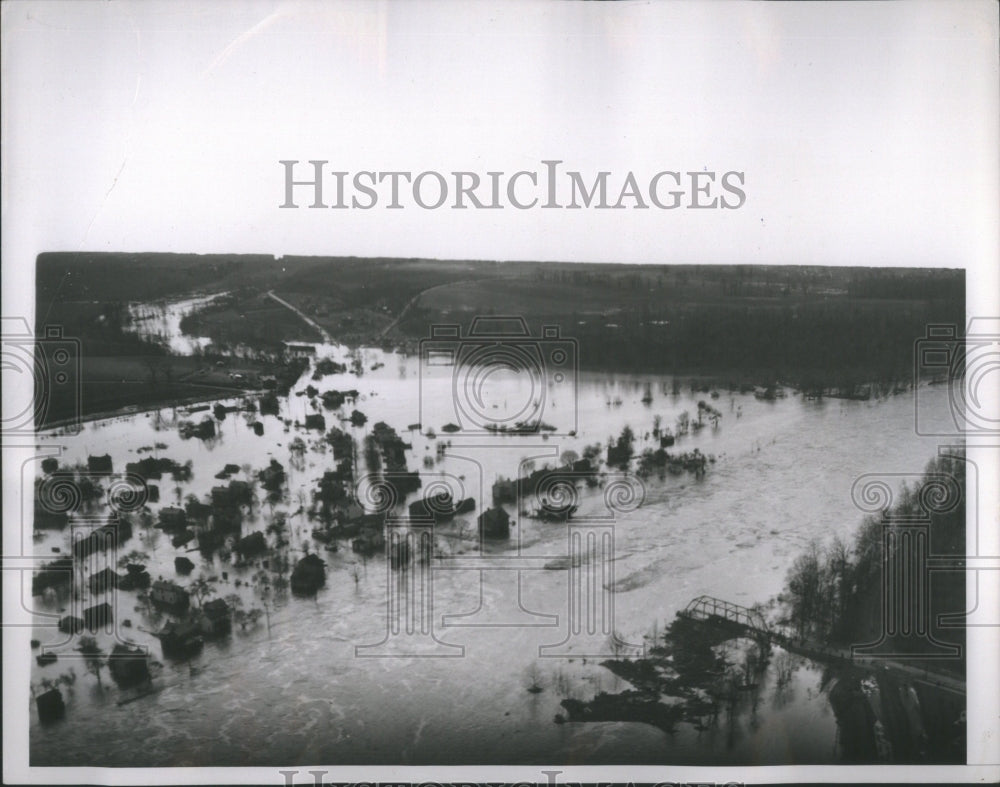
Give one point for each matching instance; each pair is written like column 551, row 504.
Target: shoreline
column 139, row 409
column 683, row 379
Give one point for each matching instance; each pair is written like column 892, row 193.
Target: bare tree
column 93, row 657
column 201, row 589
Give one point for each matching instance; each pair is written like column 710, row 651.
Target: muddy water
column 782, row 476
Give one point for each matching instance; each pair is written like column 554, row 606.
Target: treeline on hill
column 813, row 327
column 833, row 593
column 816, row 328
column 819, row 329
column 818, row 344
column 108, row 277
column 757, row 280
column 376, row 283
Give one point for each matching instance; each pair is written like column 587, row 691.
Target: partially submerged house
column 237, row 493
column 272, row 477
column 309, row 575
column 183, row 538
column 98, row 616
column 104, row 581
column 494, row 523
column 71, row 625
column 252, row 545
column 217, row 618
column 316, row 421
column 56, row 574
column 102, row 539
column 50, row 705
column 203, row 430
column 128, row 665
column 180, row 639
column 99, row 464
column 172, row 518
column 440, row 508
column 169, row 594
column 504, row 491
column 135, row 578
column 299, row 350
column 466, row 506
column 183, row 565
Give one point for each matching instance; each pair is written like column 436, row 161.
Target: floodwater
column 160, row 321
column 451, row 687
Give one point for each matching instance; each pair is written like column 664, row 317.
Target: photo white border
column 24, row 235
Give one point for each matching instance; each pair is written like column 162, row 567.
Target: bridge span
column 719, row 612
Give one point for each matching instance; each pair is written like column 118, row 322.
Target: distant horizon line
column 482, row 260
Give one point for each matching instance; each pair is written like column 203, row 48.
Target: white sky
column 868, row 133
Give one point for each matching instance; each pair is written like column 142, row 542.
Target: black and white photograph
column 538, row 391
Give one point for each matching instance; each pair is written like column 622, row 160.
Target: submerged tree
column 201, row 589
column 834, row 593
column 620, row 451
column 93, row 657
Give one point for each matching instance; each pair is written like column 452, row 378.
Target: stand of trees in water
column 834, row 592
column 720, row 675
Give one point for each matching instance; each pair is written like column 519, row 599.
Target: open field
column 249, row 318
column 111, row 383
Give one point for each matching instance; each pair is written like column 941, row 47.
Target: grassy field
column 62, row 277
column 250, row 318
column 110, row 383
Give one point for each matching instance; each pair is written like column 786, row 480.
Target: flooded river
column 302, row 692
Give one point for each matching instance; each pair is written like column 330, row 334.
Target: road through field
column 322, row 331
column 417, row 297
